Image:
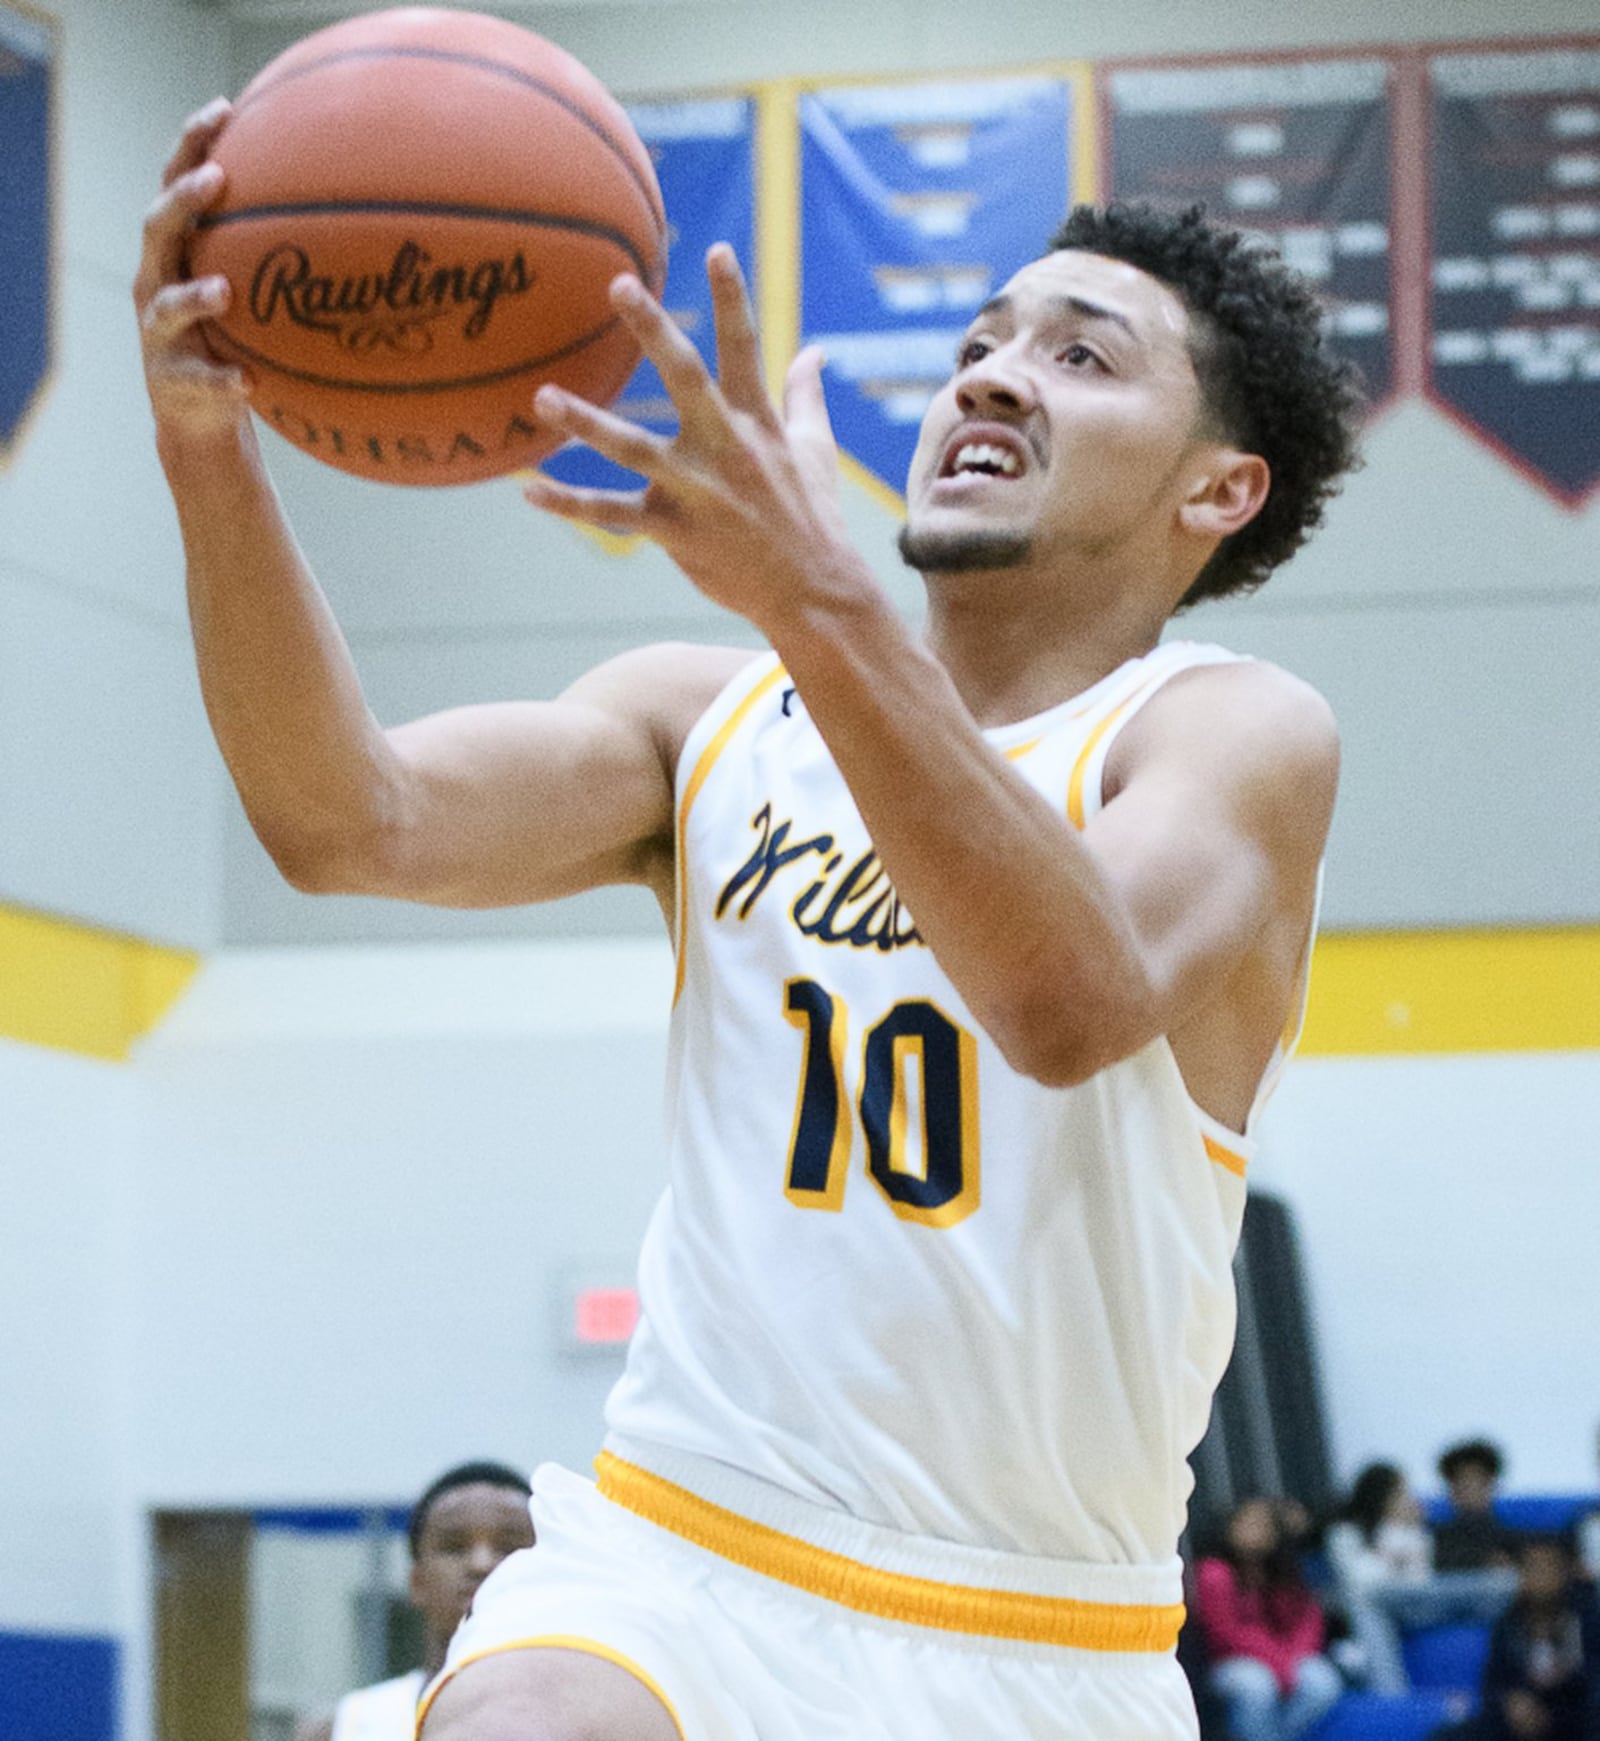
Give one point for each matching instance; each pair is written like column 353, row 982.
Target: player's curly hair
column 1268, row 380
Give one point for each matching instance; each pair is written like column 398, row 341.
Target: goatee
column 962, row 552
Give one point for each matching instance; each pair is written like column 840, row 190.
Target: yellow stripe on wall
column 1374, row 993
column 76, row 989
column 777, row 285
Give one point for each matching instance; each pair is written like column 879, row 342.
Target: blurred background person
column 1263, row 1629
column 465, row 1523
column 1586, row 1532
column 1541, row 1681
column 1472, row 1538
column 1383, row 1559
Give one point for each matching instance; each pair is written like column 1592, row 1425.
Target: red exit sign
column 604, row 1317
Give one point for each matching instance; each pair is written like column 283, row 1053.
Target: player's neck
column 1014, row 649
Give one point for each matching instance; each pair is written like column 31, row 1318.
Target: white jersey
column 384, row 1712
column 891, row 1276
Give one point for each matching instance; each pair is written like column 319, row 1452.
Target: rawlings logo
column 391, row 310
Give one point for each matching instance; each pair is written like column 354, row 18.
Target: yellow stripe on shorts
column 889, row 1595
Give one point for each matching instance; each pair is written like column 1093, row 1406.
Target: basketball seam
column 431, row 209
column 398, row 387
column 484, row 64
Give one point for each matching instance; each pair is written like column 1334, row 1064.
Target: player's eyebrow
column 1003, row 305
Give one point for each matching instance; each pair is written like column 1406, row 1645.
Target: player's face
column 467, row 1533
column 1065, row 426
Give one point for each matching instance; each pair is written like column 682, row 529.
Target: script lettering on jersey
column 852, row 903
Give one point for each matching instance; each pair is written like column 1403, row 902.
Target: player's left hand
column 744, row 499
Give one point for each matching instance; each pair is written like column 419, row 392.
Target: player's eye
column 972, row 351
column 1078, row 356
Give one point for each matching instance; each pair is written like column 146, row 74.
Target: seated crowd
column 1287, row 1614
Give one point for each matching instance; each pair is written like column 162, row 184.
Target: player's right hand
column 192, row 393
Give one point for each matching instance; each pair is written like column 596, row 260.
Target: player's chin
column 950, row 544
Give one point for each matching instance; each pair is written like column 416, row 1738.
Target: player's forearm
column 309, row 761
column 1002, row 889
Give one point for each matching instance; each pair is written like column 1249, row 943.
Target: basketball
column 423, row 212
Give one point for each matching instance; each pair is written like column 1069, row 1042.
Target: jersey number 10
column 933, row 1180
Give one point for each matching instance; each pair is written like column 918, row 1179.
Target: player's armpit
column 1219, row 797
column 508, row 803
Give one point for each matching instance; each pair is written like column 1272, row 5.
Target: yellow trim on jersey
column 1224, row 1157
column 77, row 989
column 553, row 1641
column 1379, row 993
column 1018, row 751
column 1080, row 768
column 890, row 1595
column 697, row 779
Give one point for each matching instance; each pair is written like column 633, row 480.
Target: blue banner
column 1295, row 151
column 1515, row 274
column 704, row 153
column 917, row 203
column 27, row 55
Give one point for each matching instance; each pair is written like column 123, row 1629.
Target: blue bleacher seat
column 1386, row 1717
column 1535, row 1513
column 1446, row 1658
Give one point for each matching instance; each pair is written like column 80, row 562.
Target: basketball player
column 990, row 938
column 463, row 1526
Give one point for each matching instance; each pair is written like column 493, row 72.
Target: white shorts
column 744, row 1655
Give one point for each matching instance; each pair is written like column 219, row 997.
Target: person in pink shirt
column 1264, row 1630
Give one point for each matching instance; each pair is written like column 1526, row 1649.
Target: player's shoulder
column 665, row 676
column 1253, row 736
column 1244, row 708
column 664, row 687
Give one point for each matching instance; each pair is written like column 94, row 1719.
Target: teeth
column 983, row 456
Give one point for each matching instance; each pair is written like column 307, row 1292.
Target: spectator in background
column 1263, row 1630
column 1542, row 1678
column 463, row 1526
column 1472, row 1538
column 1586, row 1534
column 1381, row 1554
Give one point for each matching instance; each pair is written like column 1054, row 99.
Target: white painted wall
column 364, row 1175
column 109, row 789
column 65, row 1148
column 1450, row 1210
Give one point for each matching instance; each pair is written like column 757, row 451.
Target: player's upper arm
column 1219, row 797
column 506, row 803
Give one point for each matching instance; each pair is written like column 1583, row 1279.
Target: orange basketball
column 422, row 215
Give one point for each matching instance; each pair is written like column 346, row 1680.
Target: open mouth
column 993, row 453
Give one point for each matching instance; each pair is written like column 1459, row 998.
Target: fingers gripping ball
column 423, row 213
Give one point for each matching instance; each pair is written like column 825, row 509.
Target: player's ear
column 1225, row 493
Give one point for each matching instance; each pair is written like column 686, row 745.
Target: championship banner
column 704, row 155
column 27, row 62
column 1515, row 268
column 917, row 203
column 1296, row 151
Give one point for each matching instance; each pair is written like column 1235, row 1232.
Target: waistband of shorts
column 916, row 1580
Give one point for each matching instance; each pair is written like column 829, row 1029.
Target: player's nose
column 994, row 383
